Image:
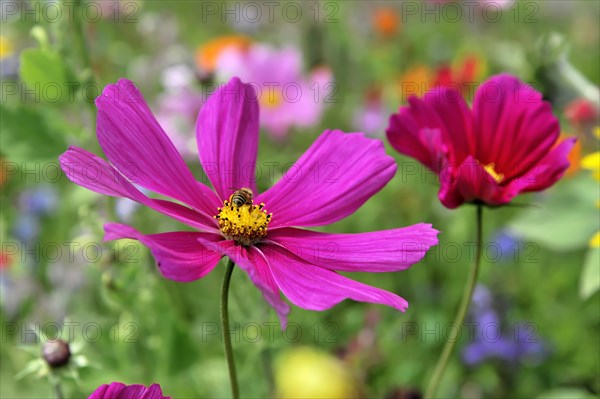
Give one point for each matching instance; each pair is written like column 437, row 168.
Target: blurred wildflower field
column 532, row 329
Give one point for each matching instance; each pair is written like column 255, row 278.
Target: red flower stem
column 462, row 312
column 235, row 392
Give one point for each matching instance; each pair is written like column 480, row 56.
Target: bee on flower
column 262, row 232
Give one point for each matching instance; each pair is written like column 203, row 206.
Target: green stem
column 225, row 328
column 55, row 381
column 86, row 60
column 80, row 36
column 462, row 312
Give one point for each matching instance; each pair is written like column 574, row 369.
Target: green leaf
column 566, row 220
column 590, row 275
column 566, row 393
column 29, row 136
column 44, row 72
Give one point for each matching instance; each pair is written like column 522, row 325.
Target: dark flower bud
column 56, row 353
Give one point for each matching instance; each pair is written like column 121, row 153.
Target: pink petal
column 407, row 137
column 254, row 263
column 449, row 112
column 133, row 140
column 179, row 255
column 333, row 178
column 516, row 128
column 314, row 288
column 379, row 251
column 441, row 110
column 94, row 173
column 118, row 390
column 547, row 172
column 227, row 136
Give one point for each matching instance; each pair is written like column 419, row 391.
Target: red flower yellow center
column 242, row 221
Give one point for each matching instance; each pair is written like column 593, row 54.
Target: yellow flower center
column 271, row 98
column 244, row 223
column 490, row 168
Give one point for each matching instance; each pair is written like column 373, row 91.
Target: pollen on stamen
column 246, row 224
column 491, row 170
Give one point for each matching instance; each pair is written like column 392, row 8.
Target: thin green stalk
column 55, row 381
column 462, row 312
column 225, row 328
column 86, row 60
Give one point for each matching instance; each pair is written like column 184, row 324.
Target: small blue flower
column 27, row 227
column 41, row 200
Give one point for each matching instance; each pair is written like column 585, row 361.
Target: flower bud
column 56, row 353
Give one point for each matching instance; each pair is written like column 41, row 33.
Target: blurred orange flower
column 415, row 81
column 574, row 156
column 208, row 53
column 3, row 175
column 386, row 21
column 464, row 74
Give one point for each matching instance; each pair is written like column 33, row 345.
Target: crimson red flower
column 504, row 145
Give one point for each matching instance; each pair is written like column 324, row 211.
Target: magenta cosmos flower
column 335, row 176
column 505, row 145
column 118, row 390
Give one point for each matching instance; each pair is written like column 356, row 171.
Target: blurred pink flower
column 333, row 178
column 177, row 110
column 287, row 97
column 372, row 117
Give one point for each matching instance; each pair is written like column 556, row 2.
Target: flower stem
column 225, row 328
column 462, row 312
column 86, row 60
column 55, row 381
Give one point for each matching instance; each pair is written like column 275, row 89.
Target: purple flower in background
column 513, row 346
column 27, row 227
column 118, row 390
column 287, row 97
column 513, row 343
column 32, row 204
column 41, row 200
column 507, row 244
column 272, row 248
column 482, row 299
